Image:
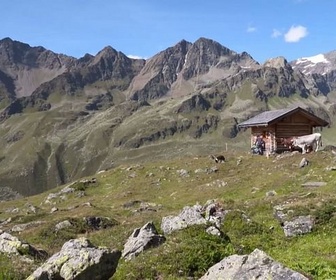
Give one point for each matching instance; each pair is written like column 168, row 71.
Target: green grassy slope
column 240, row 184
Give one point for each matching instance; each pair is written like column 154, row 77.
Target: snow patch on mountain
column 313, row 64
column 320, row 58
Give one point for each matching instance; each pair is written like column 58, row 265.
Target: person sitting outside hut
column 260, row 145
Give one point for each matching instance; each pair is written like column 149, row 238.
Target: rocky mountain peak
column 211, row 47
column 108, row 51
column 29, row 67
column 12, row 52
column 277, row 62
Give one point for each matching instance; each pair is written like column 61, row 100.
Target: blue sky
column 142, row 28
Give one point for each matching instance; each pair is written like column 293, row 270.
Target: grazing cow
column 313, row 140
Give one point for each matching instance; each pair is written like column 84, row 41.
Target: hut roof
column 269, row 117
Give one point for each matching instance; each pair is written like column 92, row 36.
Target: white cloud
column 296, row 33
column 276, row 33
column 135, row 56
column 251, row 29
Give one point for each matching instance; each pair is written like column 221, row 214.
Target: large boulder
column 10, row 244
column 79, row 260
column 142, row 239
column 256, row 265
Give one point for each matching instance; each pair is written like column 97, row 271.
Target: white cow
column 311, row 140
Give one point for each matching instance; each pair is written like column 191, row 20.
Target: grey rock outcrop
column 142, row 239
column 299, row 226
column 257, row 265
column 211, row 212
column 189, row 216
column 79, row 259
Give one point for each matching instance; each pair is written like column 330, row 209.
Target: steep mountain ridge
column 179, row 70
column 29, row 67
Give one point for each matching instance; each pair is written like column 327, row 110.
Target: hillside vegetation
column 133, row 194
column 63, row 118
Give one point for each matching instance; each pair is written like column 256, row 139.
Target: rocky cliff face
column 179, row 70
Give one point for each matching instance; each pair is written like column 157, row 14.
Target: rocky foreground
column 79, row 259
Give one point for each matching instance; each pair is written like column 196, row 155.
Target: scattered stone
column 12, row 210
column 142, row 239
column 271, row 193
column 79, row 259
column 314, row 184
column 212, row 170
column 300, row 225
column 132, row 203
column 183, row 173
column 54, row 209
column 31, row 209
column 132, row 175
column 256, row 265
column 68, row 188
column 80, row 194
column 5, row 222
column 98, row 223
column 304, row 162
column 214, row 231
column 279, row 213
column 217, row 183
column 22, row 227
column 88, row 181
column 72, row 207
column 197, row 171
column 331, row 168
column 63, row 225
column 89, row 204
column 239, row 161
column 254, row 190
column 147, row 206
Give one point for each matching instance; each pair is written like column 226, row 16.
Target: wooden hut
column 284, row 123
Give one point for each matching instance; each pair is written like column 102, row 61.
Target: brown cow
column 287, row 142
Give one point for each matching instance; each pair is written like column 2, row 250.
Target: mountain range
column 63, row 118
